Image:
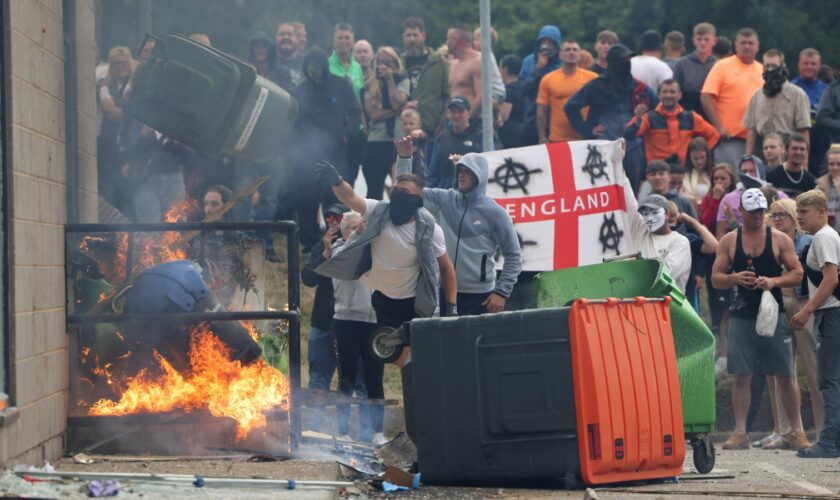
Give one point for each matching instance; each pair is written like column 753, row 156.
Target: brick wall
column 39, row 338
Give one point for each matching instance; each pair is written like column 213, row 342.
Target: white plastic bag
column 768, row 315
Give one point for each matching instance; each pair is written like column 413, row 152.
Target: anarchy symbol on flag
column 564, row 199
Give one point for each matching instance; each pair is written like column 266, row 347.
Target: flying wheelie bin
column 693, row 341
column 211, row 101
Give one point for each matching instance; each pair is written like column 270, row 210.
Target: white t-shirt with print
column 825, row 249
column 395, row 262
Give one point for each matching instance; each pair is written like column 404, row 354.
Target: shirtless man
column 465, row 70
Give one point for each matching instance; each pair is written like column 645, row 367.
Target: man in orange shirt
column 667, row 129
column 555, row 89
column 726, row 95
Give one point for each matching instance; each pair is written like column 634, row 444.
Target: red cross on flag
column 565, row 202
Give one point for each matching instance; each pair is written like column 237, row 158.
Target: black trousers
column 379, row 156
column 352, row 339
column 393, row 313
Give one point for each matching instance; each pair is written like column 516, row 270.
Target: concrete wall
column 37, row 138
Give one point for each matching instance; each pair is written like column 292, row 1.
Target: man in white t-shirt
column 655, row 239
column 821, row 270
column 397, row 268
column 648, row 67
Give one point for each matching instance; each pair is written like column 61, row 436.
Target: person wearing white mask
column 655, row 239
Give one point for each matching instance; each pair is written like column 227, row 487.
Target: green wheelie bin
column 211, row 101
column 694, row 342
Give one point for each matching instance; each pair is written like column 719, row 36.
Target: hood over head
column 261, row 36
column 478, row 165
column 618, row 64
column 548, row 31
column 317, row 58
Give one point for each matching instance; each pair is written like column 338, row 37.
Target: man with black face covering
column 329, row 114
column 399, row 255
column 779, row 107
column 611, row 99
column 476, row 227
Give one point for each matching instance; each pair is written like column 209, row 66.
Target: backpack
column 815, row 276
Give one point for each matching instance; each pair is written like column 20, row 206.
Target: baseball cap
column 655, row 201
column 336, row 209
column 459, row 102
column 651, row 40
column 753, row 199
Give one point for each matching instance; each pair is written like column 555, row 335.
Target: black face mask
column 773, row 80
column 403, row 206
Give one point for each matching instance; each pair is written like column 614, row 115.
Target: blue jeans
column 323, row 360
column 827, row 329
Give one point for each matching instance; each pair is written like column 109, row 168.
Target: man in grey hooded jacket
column 474, row 227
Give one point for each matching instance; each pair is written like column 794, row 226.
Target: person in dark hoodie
column 322, row 350
column 611, row 99
column 328, row 114
column 544, row 60
column 262, row 55
column 460, row 138
column 475, row 227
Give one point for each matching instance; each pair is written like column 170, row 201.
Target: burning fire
column 226, row 388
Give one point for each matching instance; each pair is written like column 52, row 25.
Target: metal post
column 293, row 256
column 486, row 72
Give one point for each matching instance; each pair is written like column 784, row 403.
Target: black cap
column 459, row 102
column 651, row 40
column 336, row 209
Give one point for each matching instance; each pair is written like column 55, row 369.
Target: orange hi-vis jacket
column 667, row 133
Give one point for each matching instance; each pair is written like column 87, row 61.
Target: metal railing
column 292, row 315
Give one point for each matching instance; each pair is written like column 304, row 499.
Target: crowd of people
column 731, row 162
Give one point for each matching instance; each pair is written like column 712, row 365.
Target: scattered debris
column 590, row 494
column 107, row 488
column 81, row 458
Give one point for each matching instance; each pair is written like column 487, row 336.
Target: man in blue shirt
column 809, row 66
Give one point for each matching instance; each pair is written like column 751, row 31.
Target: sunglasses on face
column 334, row 218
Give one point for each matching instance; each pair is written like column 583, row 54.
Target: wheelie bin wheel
column 704, row 455
column 386, row 344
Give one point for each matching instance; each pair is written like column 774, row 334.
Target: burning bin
column 210, row 100
column 693, row 340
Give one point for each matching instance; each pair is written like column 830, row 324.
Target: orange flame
column 225, row 387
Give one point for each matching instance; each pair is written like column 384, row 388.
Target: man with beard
column 780, row 107
column 262, row 55
column 428, row 72
column 286, row 53
column 611, row 99
column 328, row 114
column 727, row 92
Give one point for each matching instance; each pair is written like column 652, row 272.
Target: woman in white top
column 698, row 171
